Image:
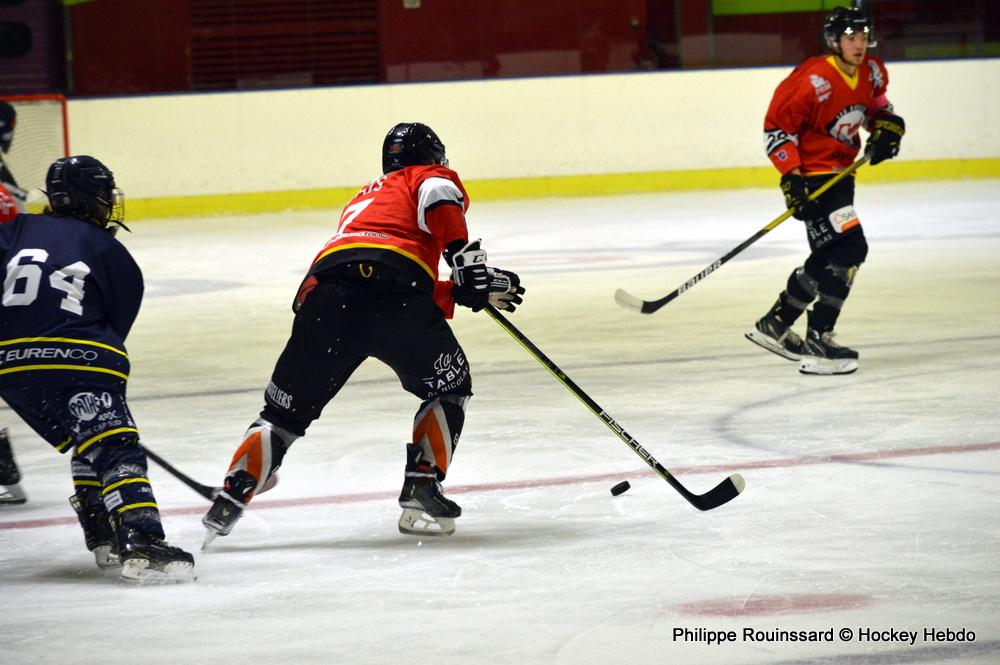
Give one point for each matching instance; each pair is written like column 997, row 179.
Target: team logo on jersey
column 845, row 126
column 86, row 406
column 821, row 86
column 875, row 75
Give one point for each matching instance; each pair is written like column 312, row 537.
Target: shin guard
column 120, row 465
column 260, row 455
column 436, row 430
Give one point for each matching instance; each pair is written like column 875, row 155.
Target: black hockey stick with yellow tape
column 204, row 490
column 722, row 493
column 629, row 301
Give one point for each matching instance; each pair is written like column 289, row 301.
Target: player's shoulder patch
column 810, row 78
column 876, row 72
column 442, row 181
column 435, row 189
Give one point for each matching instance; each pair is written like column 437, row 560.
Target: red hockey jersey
column 403, row 219
column 8, row 208
column 816, row 113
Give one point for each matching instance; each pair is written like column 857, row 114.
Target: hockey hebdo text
column 860, row 634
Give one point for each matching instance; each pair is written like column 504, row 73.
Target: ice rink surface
column 871, row 502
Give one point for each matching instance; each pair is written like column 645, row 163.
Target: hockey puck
column 620, row 488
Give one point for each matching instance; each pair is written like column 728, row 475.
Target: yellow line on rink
column 602, row 184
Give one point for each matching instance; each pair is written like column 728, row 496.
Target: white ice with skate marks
column 868, row 497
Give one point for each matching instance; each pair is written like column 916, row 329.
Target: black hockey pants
column 838, row 249
column 342, row 323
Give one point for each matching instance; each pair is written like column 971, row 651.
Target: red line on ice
column 554, row 482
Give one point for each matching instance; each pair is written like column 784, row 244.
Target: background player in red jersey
column 8, row 206
column 811, row 131
column 373, row 291
column 8, row 121
column 10, row 475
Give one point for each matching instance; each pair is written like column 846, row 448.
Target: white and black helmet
column 847, row 20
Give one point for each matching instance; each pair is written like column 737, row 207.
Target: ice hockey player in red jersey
column 373, row 291
column 8, row 206
column 811, row 132
column 10, row 475
column 8, row 185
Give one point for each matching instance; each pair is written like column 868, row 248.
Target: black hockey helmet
column 411, row 143
column 847, row 20
column 84, row 188
column 8, row 119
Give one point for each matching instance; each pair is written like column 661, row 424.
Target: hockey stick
column 629, row 301
column 204, row 490
column 725, row 491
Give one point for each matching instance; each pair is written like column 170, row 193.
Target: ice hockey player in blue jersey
column 71, row 292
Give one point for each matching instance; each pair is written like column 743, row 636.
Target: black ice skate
column 770, row 333
column 426, row 510
column 98, row 533
column 10, row 476
column 825, row 356
column 228, row 506
column 147, row 559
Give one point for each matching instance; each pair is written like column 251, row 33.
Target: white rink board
column 267, row 141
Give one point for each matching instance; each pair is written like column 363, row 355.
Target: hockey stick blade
column 723, row 493
column 204, row 490
column 628, row 301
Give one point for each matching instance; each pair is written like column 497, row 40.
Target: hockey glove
column 793, row 186
column 469, row 273
column 505, row 289
column 883, row 142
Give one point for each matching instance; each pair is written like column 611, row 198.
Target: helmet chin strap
column 113, row 230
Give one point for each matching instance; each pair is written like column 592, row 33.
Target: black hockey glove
column 469, row 273
column 793, row 186
column 883, row 142
column 505, row 289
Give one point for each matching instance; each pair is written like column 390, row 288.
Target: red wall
column 132, row 46
column 129, row 46
column 148, row 46
column 448, row 39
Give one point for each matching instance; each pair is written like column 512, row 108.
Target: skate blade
column 827, row 366
column 418, row 523
column 210, row 535
column 138, row 571
column 765, row 342
column 12, row 495
column 104, row 557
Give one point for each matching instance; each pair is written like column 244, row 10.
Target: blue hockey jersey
column 71, row 292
